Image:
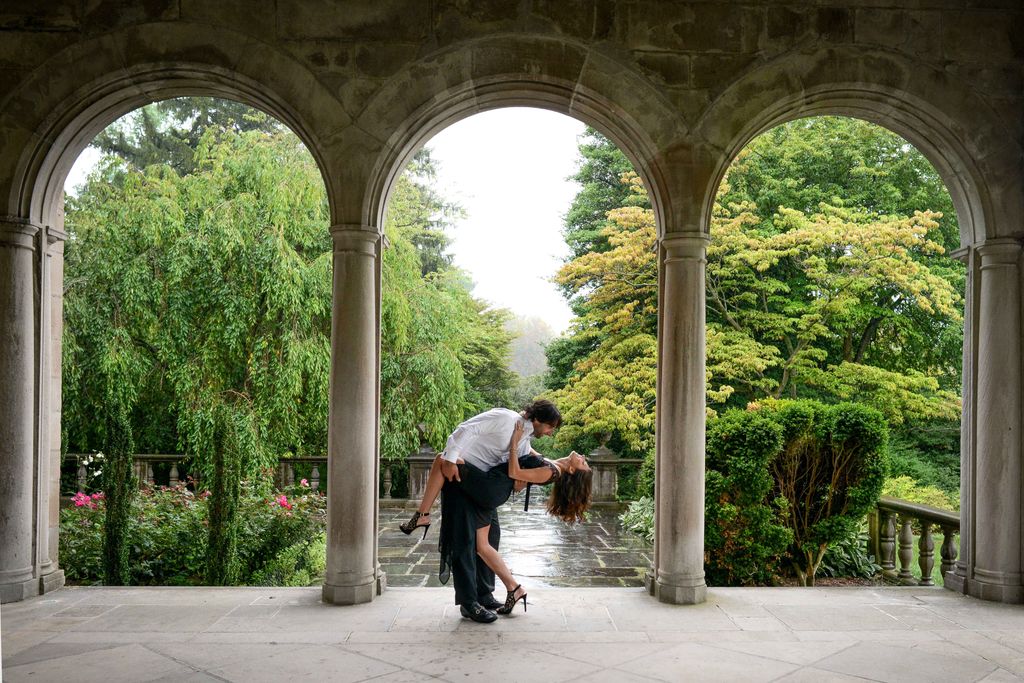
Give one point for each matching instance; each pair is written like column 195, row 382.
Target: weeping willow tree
column 198, row 304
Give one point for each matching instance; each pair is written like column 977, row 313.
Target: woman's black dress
column 466, row 506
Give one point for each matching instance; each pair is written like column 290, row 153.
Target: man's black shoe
column 489, row 602
column 478, row 612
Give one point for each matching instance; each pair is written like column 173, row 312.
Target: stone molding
column 354, row 238
column 685, row 247
column 999, row 253
column 18, row 232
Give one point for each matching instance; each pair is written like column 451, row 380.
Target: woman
column 468, row 507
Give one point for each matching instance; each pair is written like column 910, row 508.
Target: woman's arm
column 535, row 475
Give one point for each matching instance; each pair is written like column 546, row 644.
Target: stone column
column 17, row 413
column 51, row 310
column 996, row 482
column 957, row 578
column 352, row 431
column 679, row 518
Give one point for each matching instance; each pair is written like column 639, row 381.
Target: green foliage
column 120, row 487
column 848, row 557
column 906, row 488
column 745, row 536
column 830, row 471
column 639, row 518
column 168, row 537
column 929, row 453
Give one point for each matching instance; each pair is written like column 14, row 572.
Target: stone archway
column 978, row 168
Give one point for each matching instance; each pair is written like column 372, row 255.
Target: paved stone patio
column 577, row 634
column 540, row 550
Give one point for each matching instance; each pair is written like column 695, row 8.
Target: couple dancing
column 486, row 458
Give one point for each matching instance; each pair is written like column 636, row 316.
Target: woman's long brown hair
column 570, row 496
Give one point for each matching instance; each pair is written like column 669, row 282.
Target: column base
column 350, row 595
column 52, row 581
column 18, row 590
column 649, row 583
column 382, row 581
column 681, row 595
column 955, row 582
column 995, row 592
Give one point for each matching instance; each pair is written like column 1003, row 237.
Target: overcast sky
column 508, row 168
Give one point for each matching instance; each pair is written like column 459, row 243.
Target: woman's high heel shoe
column 412, row 524
column 512, row 599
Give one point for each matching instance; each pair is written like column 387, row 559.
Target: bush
column 639, row 518
column 830, row 471
column 744, row 538
column 848, row 557
column 168, row 537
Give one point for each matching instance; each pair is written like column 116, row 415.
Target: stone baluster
column 314, row 477
column 289, row 474
column 174, row 474
column 906, row 576
column 150, row 478
column 81, row 475
column 926, row 554
column 948, row 551
column 387, row 482
column 887, row 543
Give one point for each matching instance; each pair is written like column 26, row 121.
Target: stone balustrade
column 891, row 536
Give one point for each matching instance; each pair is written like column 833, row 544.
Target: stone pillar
column 957, row 578
column 17, row 410
column 51, row 328
column 352, row 431
column 679, row 515
column 996, row 544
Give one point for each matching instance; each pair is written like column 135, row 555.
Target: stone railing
column 891, row 535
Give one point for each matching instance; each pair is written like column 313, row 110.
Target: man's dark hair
column 543, row 411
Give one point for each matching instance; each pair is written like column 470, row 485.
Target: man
column 481, row 441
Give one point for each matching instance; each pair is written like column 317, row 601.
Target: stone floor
column 568, row 634
column 540, row 550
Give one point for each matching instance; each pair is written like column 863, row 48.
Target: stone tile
column 1001, row 676
column 140, row 618
column 14, row 642
column 255, row 611
column 835, row 618
column 759, row 624
column 520, row 664
column 124, row 637
column 700, row 662
column 809, row 674
column 128, row 663
column 320, row 662
column 659, row 617
column 51, row 650
column 1006, row 657
column 206, row 656
column 600, row 654
column 587, row 618
column 884, row 662
column 918, row 617
column 612, row 676
column 795, row 653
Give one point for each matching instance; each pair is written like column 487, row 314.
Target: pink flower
column 80, row 499
column 304, row 483
column 98, row 496
column 282, row 500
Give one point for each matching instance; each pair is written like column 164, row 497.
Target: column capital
column 354, row 238
column 54, row 235
column 685, row 246
column 999, row 252
column 17, row 232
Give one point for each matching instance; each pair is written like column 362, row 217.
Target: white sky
column 508, row 169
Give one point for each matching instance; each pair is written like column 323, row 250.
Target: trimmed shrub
column 830, row 471
column 744, row 538
column 120, row 492
column 906, row 488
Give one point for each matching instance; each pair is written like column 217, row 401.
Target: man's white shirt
column 483, row 440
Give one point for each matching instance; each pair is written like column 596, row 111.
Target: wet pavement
column 540, row 550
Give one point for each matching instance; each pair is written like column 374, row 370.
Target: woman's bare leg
column 435, row 481
column 492, row 559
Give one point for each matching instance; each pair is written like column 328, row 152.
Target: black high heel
column 411, row 525
column 511, row 601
